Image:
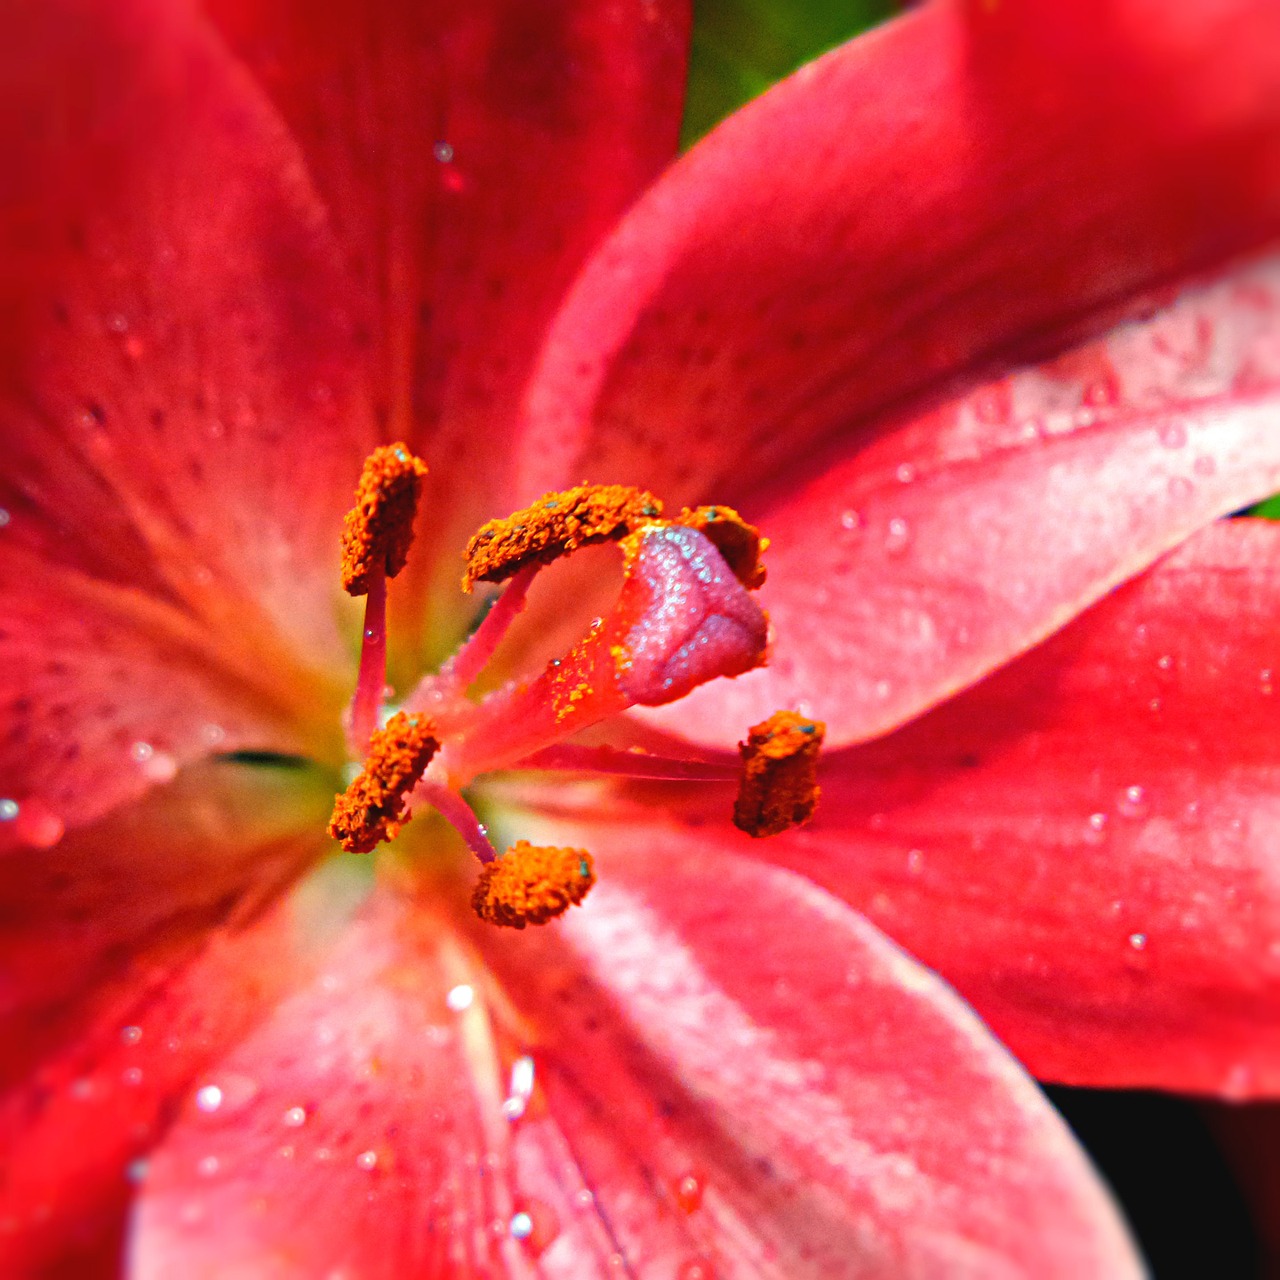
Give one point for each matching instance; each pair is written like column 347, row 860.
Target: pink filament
column 470, row 660
column 570, row 758
column 372, row 680
column 458, row 813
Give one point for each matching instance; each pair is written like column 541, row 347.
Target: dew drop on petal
column 850, row 520
column 443, row 152
column 1132, row 802
column 1138, row 941
column 135, row 1171
column 696, row 1269
column 132, row 1076
column 460, row 997
column 689, row 1190
column 9, row 810
column 905, row 473
column 367, row 1160
column 130, row 1034
column 295, row 1117
column 915, row 861
column 897, row 536
column 209, row 1098
column 141, row 752
column 1265, row 681
column 535, row 1225
column 208, row 1166
column 4, row 517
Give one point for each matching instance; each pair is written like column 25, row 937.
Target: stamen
column 555, row 525
column 377, row 531
column 779, row 788
column 531, row 885
column 458, row 813
column 466, row 665
column 737, row 541
column 372, row 808
column 366, row 702
column 569, row 757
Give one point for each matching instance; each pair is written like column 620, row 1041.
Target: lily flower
column 975, row 320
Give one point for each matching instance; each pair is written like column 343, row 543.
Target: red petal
column 131, row 954
column 471, row 155
column 853, row 1131
column 954, row 190
column 105, row 693
column 917, row 563
column 176, row 369
column 365, row 1132
column 1084, row 843
column 736, row 1069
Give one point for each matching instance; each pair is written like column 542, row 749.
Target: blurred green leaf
column 1270, row 509
column 741, row 47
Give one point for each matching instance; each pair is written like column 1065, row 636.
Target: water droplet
column 584, row 1198
column 1155, row 704
column 897, row 536
column 1097, row 828
column 367, row 1160
column 130, row 1035
column 1138, row 941
column 535, row 1225
column 295, row 1117
column 443, row 152
column 1132, row 802
column 208, row 1166
column 4, row 517
column 132, row 1076
column 136, row 1170
column 696, row 1269
column 1165, row 662
column 906, row 473
column 1173, row 435
column 209, row 1098
column 1265, row 685
column 117, row 322
column 213, row 734
column 9, row 810
column 689, row 1190
column 141, row 752
column 915, row 861
column 850, row 520
column 460, row 997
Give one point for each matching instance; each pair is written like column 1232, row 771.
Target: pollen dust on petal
column 372, row 807
column 778, row 789
column 737, row 541
column 554, row 526
column 531, row 884
column 377, row 531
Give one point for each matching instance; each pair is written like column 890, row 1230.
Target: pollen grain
column 378, row 530
column 371, row 809
column 531, row 884
column 778, row 789
column 554, row 526
column 737, row 541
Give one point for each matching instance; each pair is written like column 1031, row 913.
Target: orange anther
column 778, row 789
column 737, row 541
column 555, row 525
column 531, row 885
column 377, row 531
column 371, row 809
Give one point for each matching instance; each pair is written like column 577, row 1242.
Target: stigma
column 685, row 615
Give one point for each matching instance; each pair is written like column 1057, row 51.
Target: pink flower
column 972, row 317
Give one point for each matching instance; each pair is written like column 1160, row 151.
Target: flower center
column 684, row 615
